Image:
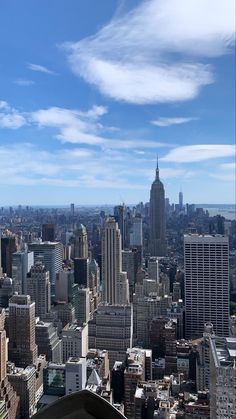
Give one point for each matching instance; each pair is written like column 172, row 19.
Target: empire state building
column 157, row 237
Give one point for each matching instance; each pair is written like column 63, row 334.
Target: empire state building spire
column 157, row 170
column 157, row 236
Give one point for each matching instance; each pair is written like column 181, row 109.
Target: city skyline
column 88, row 99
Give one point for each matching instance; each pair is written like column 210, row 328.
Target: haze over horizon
column 87, row 100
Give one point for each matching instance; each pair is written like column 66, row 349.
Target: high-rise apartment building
column 206, row 262
column 38, row 287
column 157, row 236
column 81, row 243
column 22, row 347
column 115, row 283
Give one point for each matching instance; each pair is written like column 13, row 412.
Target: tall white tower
column 115, row 282
column 206, row 262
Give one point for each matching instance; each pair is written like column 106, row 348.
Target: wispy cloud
column 226, row 172
column 27, row 165
column 10, row 117
column 160, row 63
column 199, row 152
column 166, row 122
column 75, row 126
column 40, row 68
column 228, row 166
column 24, row 82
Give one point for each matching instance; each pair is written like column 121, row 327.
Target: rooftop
column 224, row 351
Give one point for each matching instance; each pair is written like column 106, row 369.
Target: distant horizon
column 67, row 205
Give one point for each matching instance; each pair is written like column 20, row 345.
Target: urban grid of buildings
column 134, row 303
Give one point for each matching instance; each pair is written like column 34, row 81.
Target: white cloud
column 4, row 105
column 228, row 166
column 199, row 152
column 10, row 117
column 40, row 68
column 24, row 82
column 226, row 172
column 225, row 177
column 166, row 122
column 27, row 165
column 75, row 126
column 161, row 62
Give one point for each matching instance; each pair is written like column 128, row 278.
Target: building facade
column 115, row 284
column 39, row 289
column 23, row 350
column 206, row 263
column 112, row 328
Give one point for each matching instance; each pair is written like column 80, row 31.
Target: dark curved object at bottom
column 81, row 405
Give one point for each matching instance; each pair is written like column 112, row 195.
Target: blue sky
column 91, row 91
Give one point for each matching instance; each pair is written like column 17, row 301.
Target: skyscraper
column 21, row 264
column 181, row 200
column 112, row 328
column 51, row 254
column 119, row 215
column 81, row 243
column 22, row 347
column 8, row 247
column 0, row 253
column 206, row 262
column 136, row 232
column 48, row 232
column 157, row 239
column 8, row 396
column 115, row 283
column 38, row 287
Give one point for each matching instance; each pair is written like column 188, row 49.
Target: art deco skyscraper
column 81, row 243
column 115, row 282
column 206, row 264
column 157, row 238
